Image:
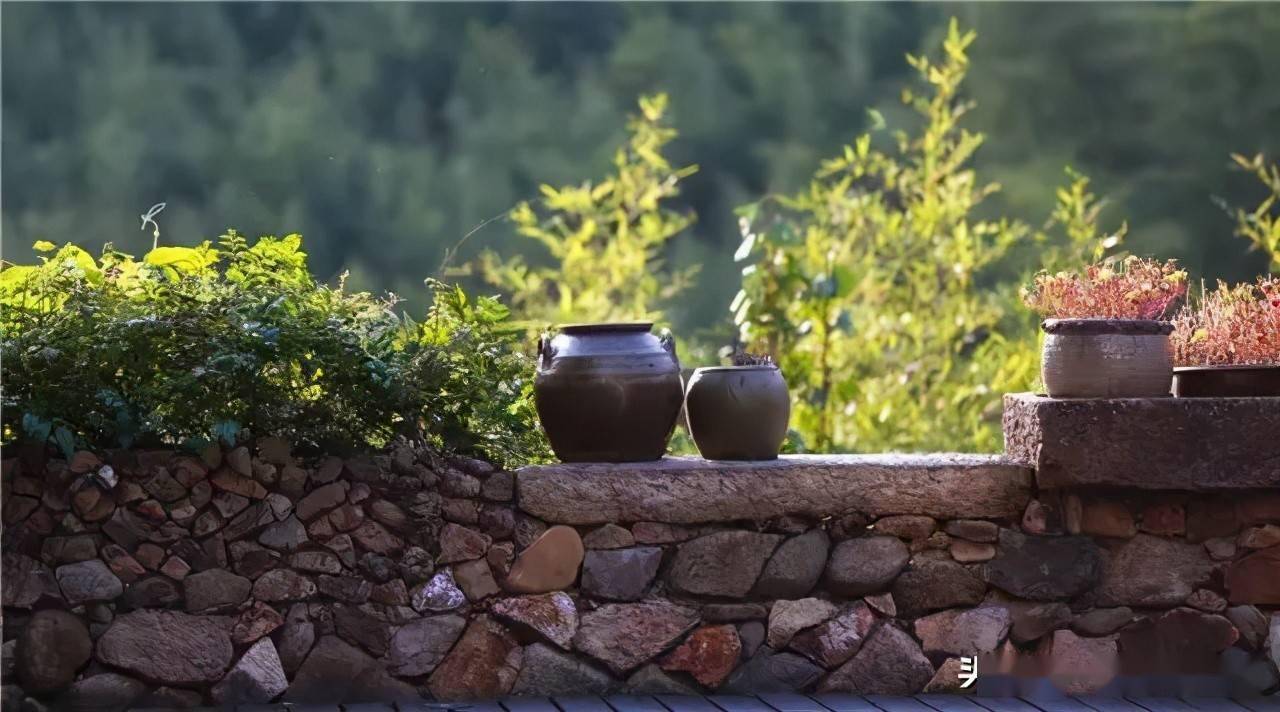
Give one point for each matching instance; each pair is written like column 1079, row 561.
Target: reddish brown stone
column 1255, row 578
column 125, row 567
column 933, row 585
column 912, row 527
column 283, row 585
column 175, row 568
column 1100, row 517
column 321, row 500
column 1164, row 518
column 1207, row 600
column 52, row 647
column 1143, row 443
column 475, row 579
column 1151, row 571
column 500, row 557
column 17, row 507
column 320, row 529
column 84, row 461
column 151, row 510
column 969, row 552
column 255, row 623
column 963, row 632
column 786, row 618
column 150, row 555
column 25, row 581
column 1221, row 548
column 975, row 530
column 609, row 536
column 70, row 549
column 1080, row 665
column 624, row 636
column 1180, row 642
column 890, row 663
column 168, row 647
column 328, row 470
column 84, row 500
column 549, row 564
column 201, row 494
column 389, row 515
column 229, row 481
column 1210, row 517
column 1260, row 537
column 346, row 517
column 41, row 522
column 188, row 471
column 834, row 641
column 391, row 593
column 709, row 654
column 207, row 523
column 482, row 666
column 467, row 511
column 1259, row 508
column 374, row 537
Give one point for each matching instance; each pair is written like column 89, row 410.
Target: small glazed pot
column 738, row 412
column 1107, row 358
column 1245, row 381
column 608, row 392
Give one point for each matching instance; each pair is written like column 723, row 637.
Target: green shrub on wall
column 189, row 345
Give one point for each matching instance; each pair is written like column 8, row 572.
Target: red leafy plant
column 1232, row 325
column 1132, row 288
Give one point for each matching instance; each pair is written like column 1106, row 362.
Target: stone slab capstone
column 685, row 490
column 1195, row 444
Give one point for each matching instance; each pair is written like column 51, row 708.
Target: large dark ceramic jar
column 608, row 392
column 738, row 412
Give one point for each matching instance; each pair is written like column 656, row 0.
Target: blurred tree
column 386, row 131
column 606, row 237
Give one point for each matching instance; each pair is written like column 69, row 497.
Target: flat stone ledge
column 680, row 490
column 1190, row 444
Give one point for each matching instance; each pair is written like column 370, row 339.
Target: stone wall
column 165, row 580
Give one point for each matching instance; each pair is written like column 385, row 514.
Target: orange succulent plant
column 1232, row 325
column 1133, row 288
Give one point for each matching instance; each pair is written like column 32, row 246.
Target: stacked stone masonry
column 159, row 579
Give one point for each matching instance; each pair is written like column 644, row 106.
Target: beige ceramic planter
column 1107, row 358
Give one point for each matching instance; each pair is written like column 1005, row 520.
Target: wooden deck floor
column 790, row 702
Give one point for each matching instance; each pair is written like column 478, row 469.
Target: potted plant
column 1228, row 344
column 1106, row 331
column 738, row 412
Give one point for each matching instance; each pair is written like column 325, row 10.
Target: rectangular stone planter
column 1190, row 444
column 681, row 490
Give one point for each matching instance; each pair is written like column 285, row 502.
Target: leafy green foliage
column 191, row 344
column 879, row 292
column 1261, row 226
column 607, row 238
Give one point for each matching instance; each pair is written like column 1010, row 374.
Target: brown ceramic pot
column 608, row 392
column 1226, row 381
column 738, row 412
column 1107, row 358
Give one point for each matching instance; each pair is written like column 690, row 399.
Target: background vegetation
column 884, row 277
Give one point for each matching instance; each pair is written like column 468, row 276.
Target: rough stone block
column 691, row 491
column 1150, row 443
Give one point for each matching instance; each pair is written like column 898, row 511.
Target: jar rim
column 606, row 327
